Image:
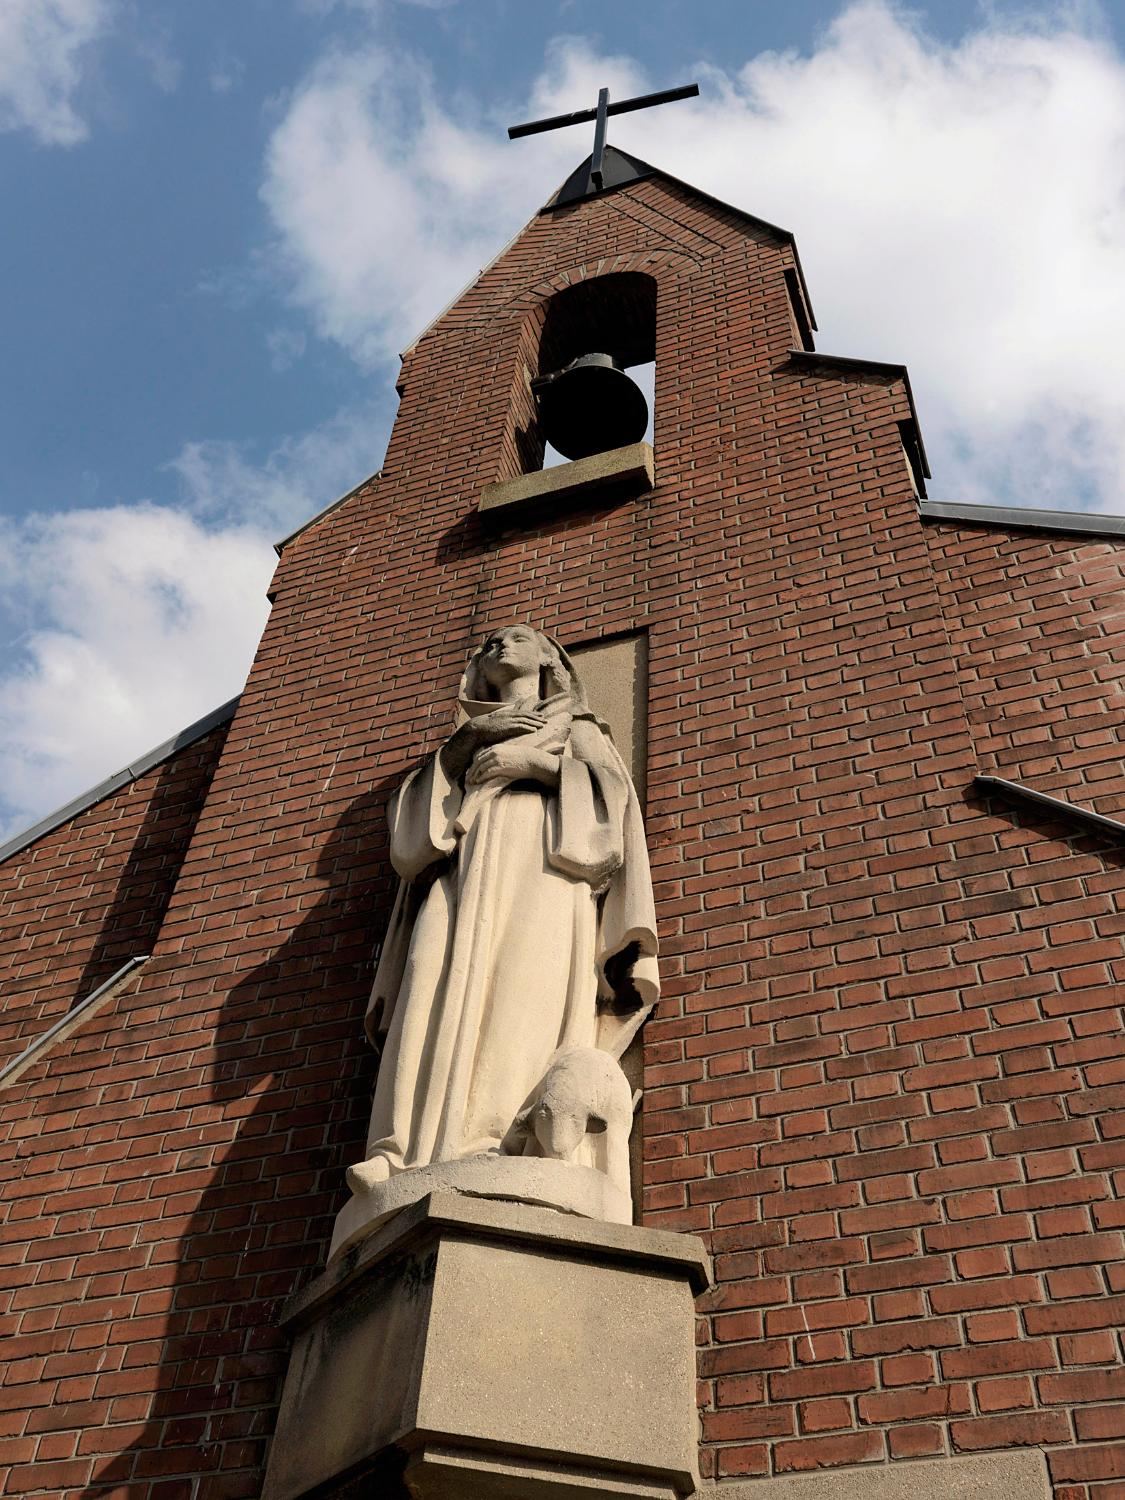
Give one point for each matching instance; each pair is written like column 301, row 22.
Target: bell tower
column 627, row 1003
column 453, row 1281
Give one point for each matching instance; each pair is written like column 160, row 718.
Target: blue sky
column 223, row 219
column 140, row 314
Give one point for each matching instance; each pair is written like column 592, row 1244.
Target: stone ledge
column 622, row 470
column 448, row 1474
column 979, row 1476
column 485, row 1219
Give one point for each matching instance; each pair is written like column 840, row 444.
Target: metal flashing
column 1023, row 518
column 67, row 1023
column 453, row 301
column 800, row 311
column 119, row 779
column 1071, row 810
column 619, row 169
column 326, row 510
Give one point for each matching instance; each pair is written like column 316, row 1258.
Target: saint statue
column 521, row 953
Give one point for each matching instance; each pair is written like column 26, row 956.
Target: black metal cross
column 601, row 116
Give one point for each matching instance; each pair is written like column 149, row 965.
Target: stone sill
column 624, row 471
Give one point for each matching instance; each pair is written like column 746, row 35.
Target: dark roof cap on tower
column 618, row 168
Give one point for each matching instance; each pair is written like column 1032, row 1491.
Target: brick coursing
column 885, row 1081
column 1035, row 621
column 83, row 898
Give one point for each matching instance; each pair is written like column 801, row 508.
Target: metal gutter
column 1023, row 518
column 120, row 778
column 327, row 510
column 68, row 1023
column 1071, row 810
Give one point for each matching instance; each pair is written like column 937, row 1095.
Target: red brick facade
column 1037, row 626
column 87, row 896
column 883, row 1080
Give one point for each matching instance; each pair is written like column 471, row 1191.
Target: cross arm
column 580, row 116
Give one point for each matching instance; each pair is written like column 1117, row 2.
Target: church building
column 769, row 1146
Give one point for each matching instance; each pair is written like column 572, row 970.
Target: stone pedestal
column 496, row 1351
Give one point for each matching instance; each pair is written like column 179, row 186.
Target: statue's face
column 512, row 652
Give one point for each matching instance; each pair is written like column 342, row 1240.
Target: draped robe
column 514, row 897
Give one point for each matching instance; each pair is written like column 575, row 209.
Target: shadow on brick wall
column 148, row 879
column 291, row 1069
column 471, row 537
column 1040, row 824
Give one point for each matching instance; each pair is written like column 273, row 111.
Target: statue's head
column 513, row 651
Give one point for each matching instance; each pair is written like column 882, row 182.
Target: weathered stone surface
column 629, row 470
column 436, row 1473
column 521, row 956
column 983, row 1476
column 553, row 1356
column 564, row 1185
column 615, row 676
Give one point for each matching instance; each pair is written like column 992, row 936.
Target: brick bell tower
column 875, row 1143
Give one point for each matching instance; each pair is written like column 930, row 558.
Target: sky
column 223, row 221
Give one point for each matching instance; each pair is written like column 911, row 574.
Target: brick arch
column 617, row 312
column 652, row 262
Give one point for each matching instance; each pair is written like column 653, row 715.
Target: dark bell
column 590, row 406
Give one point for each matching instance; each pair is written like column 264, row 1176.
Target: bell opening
column 593, row 379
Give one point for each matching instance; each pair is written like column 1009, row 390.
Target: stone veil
column 523, row 931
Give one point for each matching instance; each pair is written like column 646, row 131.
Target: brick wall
column 880, row 1081
column 90, row 894
column 1037, row 621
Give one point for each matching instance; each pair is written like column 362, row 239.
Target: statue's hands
column 487, row 729
column 504, row 724
column 513, row 762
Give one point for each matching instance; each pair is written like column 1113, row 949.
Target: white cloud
column 45, row 50
column 385, row 206
column 127, row 622
column 154, row 47
column 142, row 620
column 372, row 7
column 961, row 208
column 223, row 483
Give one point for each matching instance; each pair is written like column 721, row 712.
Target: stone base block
column 495, row 1351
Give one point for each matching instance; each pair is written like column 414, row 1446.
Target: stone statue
column 520, row 958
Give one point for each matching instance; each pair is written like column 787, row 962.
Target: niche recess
column 612, row 315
